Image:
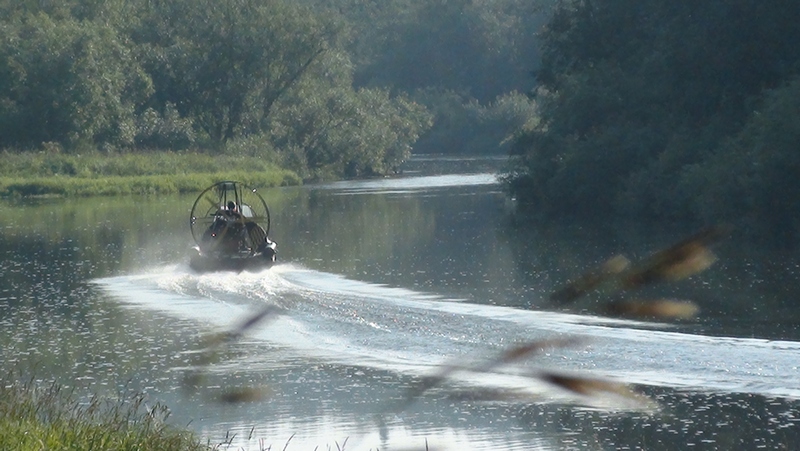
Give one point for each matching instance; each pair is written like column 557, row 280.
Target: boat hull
column 202, row 262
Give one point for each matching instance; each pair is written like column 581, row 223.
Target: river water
column 379, row 284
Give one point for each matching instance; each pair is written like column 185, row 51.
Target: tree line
column 656, row 111
column 636, row 108
column 338, row 88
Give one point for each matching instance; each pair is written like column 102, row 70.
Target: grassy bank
column 34, row 418
column 54, row 174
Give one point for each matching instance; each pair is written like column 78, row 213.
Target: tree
column 330, row 129
column 634, row 95
column 752, row 177
column 480, row 48
column 225, row 63
column 67, row 81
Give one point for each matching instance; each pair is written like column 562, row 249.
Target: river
column 379, row 284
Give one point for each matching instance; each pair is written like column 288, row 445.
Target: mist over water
column 379, row 283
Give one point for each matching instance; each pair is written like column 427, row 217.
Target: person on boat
column 236, row 235
column 226, row 232
column 233, row 210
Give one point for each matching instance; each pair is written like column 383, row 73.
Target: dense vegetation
column 468, row 61
column 667, row 110
column 35, row 418
column 69, row 175
column 325, row 89
column 251, row 78
column 642, row 109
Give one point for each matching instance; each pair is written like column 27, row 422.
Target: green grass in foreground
column 109, row 175
column 49, row 419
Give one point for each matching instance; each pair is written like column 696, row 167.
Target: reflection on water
column 380, row 283
column 409, row 185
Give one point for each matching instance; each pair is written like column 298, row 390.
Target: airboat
column 230, row 226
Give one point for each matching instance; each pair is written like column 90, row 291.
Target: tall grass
column 55, row 174
column 34, row 418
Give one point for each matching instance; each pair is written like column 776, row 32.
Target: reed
column 34, row 418
column 137, row 185
column 53, row 174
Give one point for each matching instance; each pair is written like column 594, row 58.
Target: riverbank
column 61, row 175
column 34, row 418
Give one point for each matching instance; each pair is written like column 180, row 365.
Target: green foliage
column 90, row 165
column 45, row 174
column 225, row 63
column 461, row 59
column 138, row 185
column 484, row 48
column 342, row 131
column 755, row 171
column 464, row 126
column 167, row 130
column 643, row 103
column 33, row 418
column 259, row 79
column 67, row 81
column 324, row 88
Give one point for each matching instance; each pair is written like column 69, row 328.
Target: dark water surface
column 380, row 282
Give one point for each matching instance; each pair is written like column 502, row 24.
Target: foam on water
column 330, row 317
